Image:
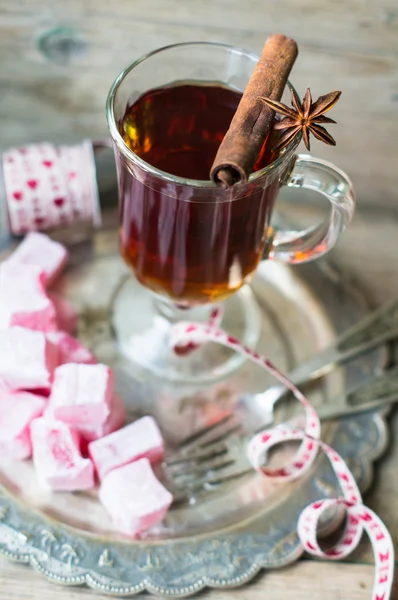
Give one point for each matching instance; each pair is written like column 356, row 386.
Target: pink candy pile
column 57, row 403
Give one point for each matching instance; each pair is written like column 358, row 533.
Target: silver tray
column 227, row 536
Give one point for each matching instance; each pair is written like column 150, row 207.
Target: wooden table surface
column 302, row 581
column 58, row 60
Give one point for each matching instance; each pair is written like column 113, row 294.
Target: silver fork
column 216, row 455
column 378, row 328
column 206, row 459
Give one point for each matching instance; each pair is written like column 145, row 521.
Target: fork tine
column 217, row 481
column 222, row 436
column 233, row 459
column 199, row 455
column 207, row 459
column 191, row 439
column 187, row 492
column 205, row 445
column 197, row 469
column 205, row 450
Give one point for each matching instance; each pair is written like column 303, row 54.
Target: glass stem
column 175, row 313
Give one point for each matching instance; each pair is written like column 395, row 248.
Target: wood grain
column 304, row 580
column 350, row 45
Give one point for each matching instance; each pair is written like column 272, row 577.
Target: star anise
column 303, row 118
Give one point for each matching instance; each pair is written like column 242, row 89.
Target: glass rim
column 147, row 167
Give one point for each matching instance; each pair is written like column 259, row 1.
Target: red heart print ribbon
column 48, row 186
column 359, row 517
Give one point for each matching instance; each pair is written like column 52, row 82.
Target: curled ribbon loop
column 197, row 333
column 359, row 517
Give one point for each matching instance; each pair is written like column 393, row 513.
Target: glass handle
column 323, row 177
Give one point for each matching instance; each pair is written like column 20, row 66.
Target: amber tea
column 180, row 245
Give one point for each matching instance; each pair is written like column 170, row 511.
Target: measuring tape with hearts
column 214, row 320
column 48, row 186
column 359, row 517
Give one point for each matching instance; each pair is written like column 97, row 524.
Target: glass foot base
column 141, row 322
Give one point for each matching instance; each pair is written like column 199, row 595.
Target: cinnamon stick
column 252, row 121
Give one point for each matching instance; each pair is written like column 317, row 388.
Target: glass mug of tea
column 191, row 244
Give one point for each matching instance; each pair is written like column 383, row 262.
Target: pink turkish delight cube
column 38, row 250
column 66, row 315
column 70, row 350
column 17, row 411
column 115, row 421
column 23, row 300
column 27, row 359
column 137, row 440
column 81, row 393
column 57, row 459
column 134, row 497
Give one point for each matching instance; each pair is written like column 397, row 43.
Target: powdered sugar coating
column 134, row 497
column 57, row 459
column 137, row 440
column 82, row 393
column 27, row 359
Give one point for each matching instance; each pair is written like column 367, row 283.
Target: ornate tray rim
column 107, row 585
